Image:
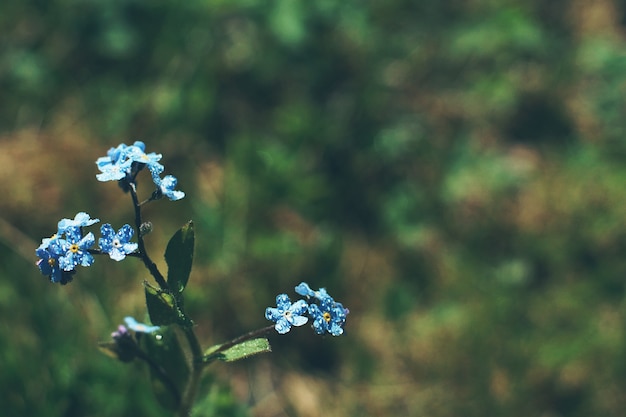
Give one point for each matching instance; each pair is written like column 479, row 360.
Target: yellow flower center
column 74, row 248
column 326, row 316
column 52, row 262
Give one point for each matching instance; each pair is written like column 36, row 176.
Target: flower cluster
column 124, row 163
column 69, row 247
column 327, row 315
column 60, row 254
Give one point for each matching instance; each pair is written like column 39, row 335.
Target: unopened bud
column 145, row 228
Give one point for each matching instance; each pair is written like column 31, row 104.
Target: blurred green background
column 452, row 171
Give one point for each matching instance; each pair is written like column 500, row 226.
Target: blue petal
column 282, row 302
column 139, row 327
column 117, row 254
column 139, row 144
column 272, row 314
column 87, row 241
column 81, row 219
column 167, row 185
column 304, row 289
column 282, row 326
column 125, row 233
column 335, row 329
column 299, row 307
column 299, row 320
column 320, row 325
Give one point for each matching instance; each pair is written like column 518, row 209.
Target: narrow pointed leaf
column 179, row 257
column 239, row 351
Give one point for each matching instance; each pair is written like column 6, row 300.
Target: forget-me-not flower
column 165, row 187
column 125, row 161
column 328, row 316
column 137, row 154
column 286, row 314
column 117, row 245
column 48, row 262
column 304, row 289
column 75, row 249
column 116, row 165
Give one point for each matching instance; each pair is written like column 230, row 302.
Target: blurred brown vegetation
column 453, row 172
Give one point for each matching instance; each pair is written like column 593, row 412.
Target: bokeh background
column 452, row 171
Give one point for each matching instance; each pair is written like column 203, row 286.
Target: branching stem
column 151, row 266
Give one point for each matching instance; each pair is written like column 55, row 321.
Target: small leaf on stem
column 163, row 307
column 239, row 351
column 179, row 257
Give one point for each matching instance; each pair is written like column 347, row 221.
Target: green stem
column 163, row 376
column 196, row 372
column 191, row 390
column 151, row 266
column 199, row 362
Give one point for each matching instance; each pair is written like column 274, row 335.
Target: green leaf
column 163, row 307
column 238, row 351
column 179, row 257
column 169, row 371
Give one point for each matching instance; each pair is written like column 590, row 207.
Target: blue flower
column 329, row 316
column 165, row 187
column 125, row 161
column 60, row 254
column 287, row 314
column 135, row 326
column 117, row 245
column 304, row 289
column 49, row 263
column 81, row 219
column 151, row 160
column 75, row 249
column 116, row 165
